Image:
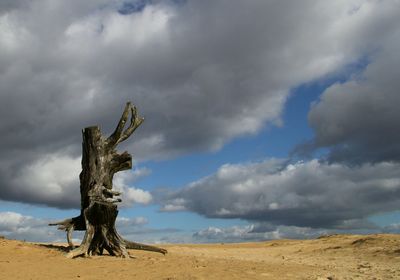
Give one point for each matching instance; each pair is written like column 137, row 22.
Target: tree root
column 68, row 226
column 112, row 242
column 144, row 247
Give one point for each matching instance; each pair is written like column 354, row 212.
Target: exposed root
column 68, row 226
column 76, row 253
column 139, row 246
column 92, row 237
column 83, row 249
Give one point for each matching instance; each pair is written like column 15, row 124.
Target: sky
column 263, row 119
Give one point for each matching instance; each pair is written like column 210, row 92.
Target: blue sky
column 263, row 119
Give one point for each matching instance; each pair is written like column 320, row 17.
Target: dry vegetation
column 330, row 257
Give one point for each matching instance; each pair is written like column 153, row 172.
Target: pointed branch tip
column 119, row 134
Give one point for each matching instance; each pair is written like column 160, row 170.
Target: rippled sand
column 331, row 257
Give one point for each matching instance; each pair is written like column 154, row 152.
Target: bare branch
column 68, row 226
column 121, row 124
column 121, row 162
column 135, row 123
column 119, row 134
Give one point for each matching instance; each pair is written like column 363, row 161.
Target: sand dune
column 331, row 257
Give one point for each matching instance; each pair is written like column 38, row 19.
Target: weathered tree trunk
column 100, row 161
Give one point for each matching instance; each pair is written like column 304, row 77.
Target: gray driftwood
column 100, row 161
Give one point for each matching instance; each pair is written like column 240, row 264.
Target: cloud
column 17, row 226
column 14, row 225
column 138, row 229
column 253, row 233
column 201, row 72
column 10, row 221
column 131, row 195
column 304, row 194
column 267, row 231
column 392, row 228
column 137, row 221
column 357, row 119
column 8, row 5
column 53, row 180
column 215, row 234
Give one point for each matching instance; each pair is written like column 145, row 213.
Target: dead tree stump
column 100, row 161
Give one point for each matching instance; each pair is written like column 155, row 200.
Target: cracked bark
column 100, row 161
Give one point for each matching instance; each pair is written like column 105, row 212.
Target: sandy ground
column 331, row 257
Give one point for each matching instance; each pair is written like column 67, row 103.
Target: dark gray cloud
column 305, row 194
column 202, row 73
column 358, row 119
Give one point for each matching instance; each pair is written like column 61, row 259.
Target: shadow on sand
column 61, row 248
